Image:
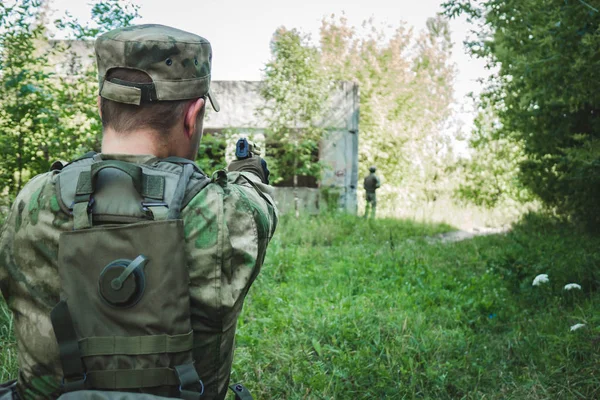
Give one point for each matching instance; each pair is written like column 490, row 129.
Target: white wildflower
column 577, row 326
column 541, row 278
column 571, row 286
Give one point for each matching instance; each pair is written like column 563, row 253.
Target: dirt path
column 457, row 236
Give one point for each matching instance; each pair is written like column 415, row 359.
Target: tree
column 490, row 177
column 546, row 93
column 295, row 92
column 44, row 116
column 405, row 83
column 29, row 119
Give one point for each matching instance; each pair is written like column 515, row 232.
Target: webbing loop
column 148, row 186
column 134, row 171
column 190, row 385
column 132, row 378
column 136, row 345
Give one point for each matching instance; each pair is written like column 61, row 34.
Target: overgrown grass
column 353, row 309
column 347, row 308
column 8, row 346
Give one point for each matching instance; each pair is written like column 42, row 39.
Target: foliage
column 490, row 177
column 213, row 148
column 106, row 15
column 47, row 101
column 295, row 94
column 29, row 115
column 546, row 93
column 405, row 83
column 8, row 344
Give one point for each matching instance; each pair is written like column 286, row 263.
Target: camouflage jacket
column 227, row 227
column 371, row 183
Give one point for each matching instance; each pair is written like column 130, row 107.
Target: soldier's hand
column 256, row 165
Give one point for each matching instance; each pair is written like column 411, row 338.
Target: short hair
column 160, row 116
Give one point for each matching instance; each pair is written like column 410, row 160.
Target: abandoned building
column 338, row 150
column 240, row 102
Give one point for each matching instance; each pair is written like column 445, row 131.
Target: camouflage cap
column 178, row 62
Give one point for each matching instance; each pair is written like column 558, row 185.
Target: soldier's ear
column 99, row 102
column 191, row 114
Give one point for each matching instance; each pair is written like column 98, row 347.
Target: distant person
column 371, row 184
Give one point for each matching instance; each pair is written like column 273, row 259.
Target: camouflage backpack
column 123, row 322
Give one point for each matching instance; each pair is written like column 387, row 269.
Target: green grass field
column 347, row 308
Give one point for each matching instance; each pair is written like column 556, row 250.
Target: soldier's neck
column 137, row 142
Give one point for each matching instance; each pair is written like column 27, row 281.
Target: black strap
column 241, row 392
column 70, row 356
column 89, row 154
column 148, row 90
column 177, row 201
column 190, row 385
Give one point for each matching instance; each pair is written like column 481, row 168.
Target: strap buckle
column 90, row 205
column 157, row 210
column 181, row 390
column 146, row 204
column 74, row 383
column 187, row 376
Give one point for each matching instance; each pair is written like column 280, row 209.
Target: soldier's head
column 154, row 83
column 372, row 169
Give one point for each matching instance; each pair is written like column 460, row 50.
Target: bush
column 545, row 94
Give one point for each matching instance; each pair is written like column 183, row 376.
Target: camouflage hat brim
column 213, row 101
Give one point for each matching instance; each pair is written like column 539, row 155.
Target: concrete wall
column 310, row 200
column 240, row 109
column 339, row 151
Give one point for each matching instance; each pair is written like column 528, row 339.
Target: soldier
column 371, row 184
column 127, row 270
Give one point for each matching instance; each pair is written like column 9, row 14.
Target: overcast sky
column 240, row 30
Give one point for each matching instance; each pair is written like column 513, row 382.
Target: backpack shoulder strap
column 195, row 183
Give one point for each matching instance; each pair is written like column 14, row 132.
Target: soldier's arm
column 257, row 195
column 227, row 226
column 6, row 247
column 255, row 166
column 250, row 218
